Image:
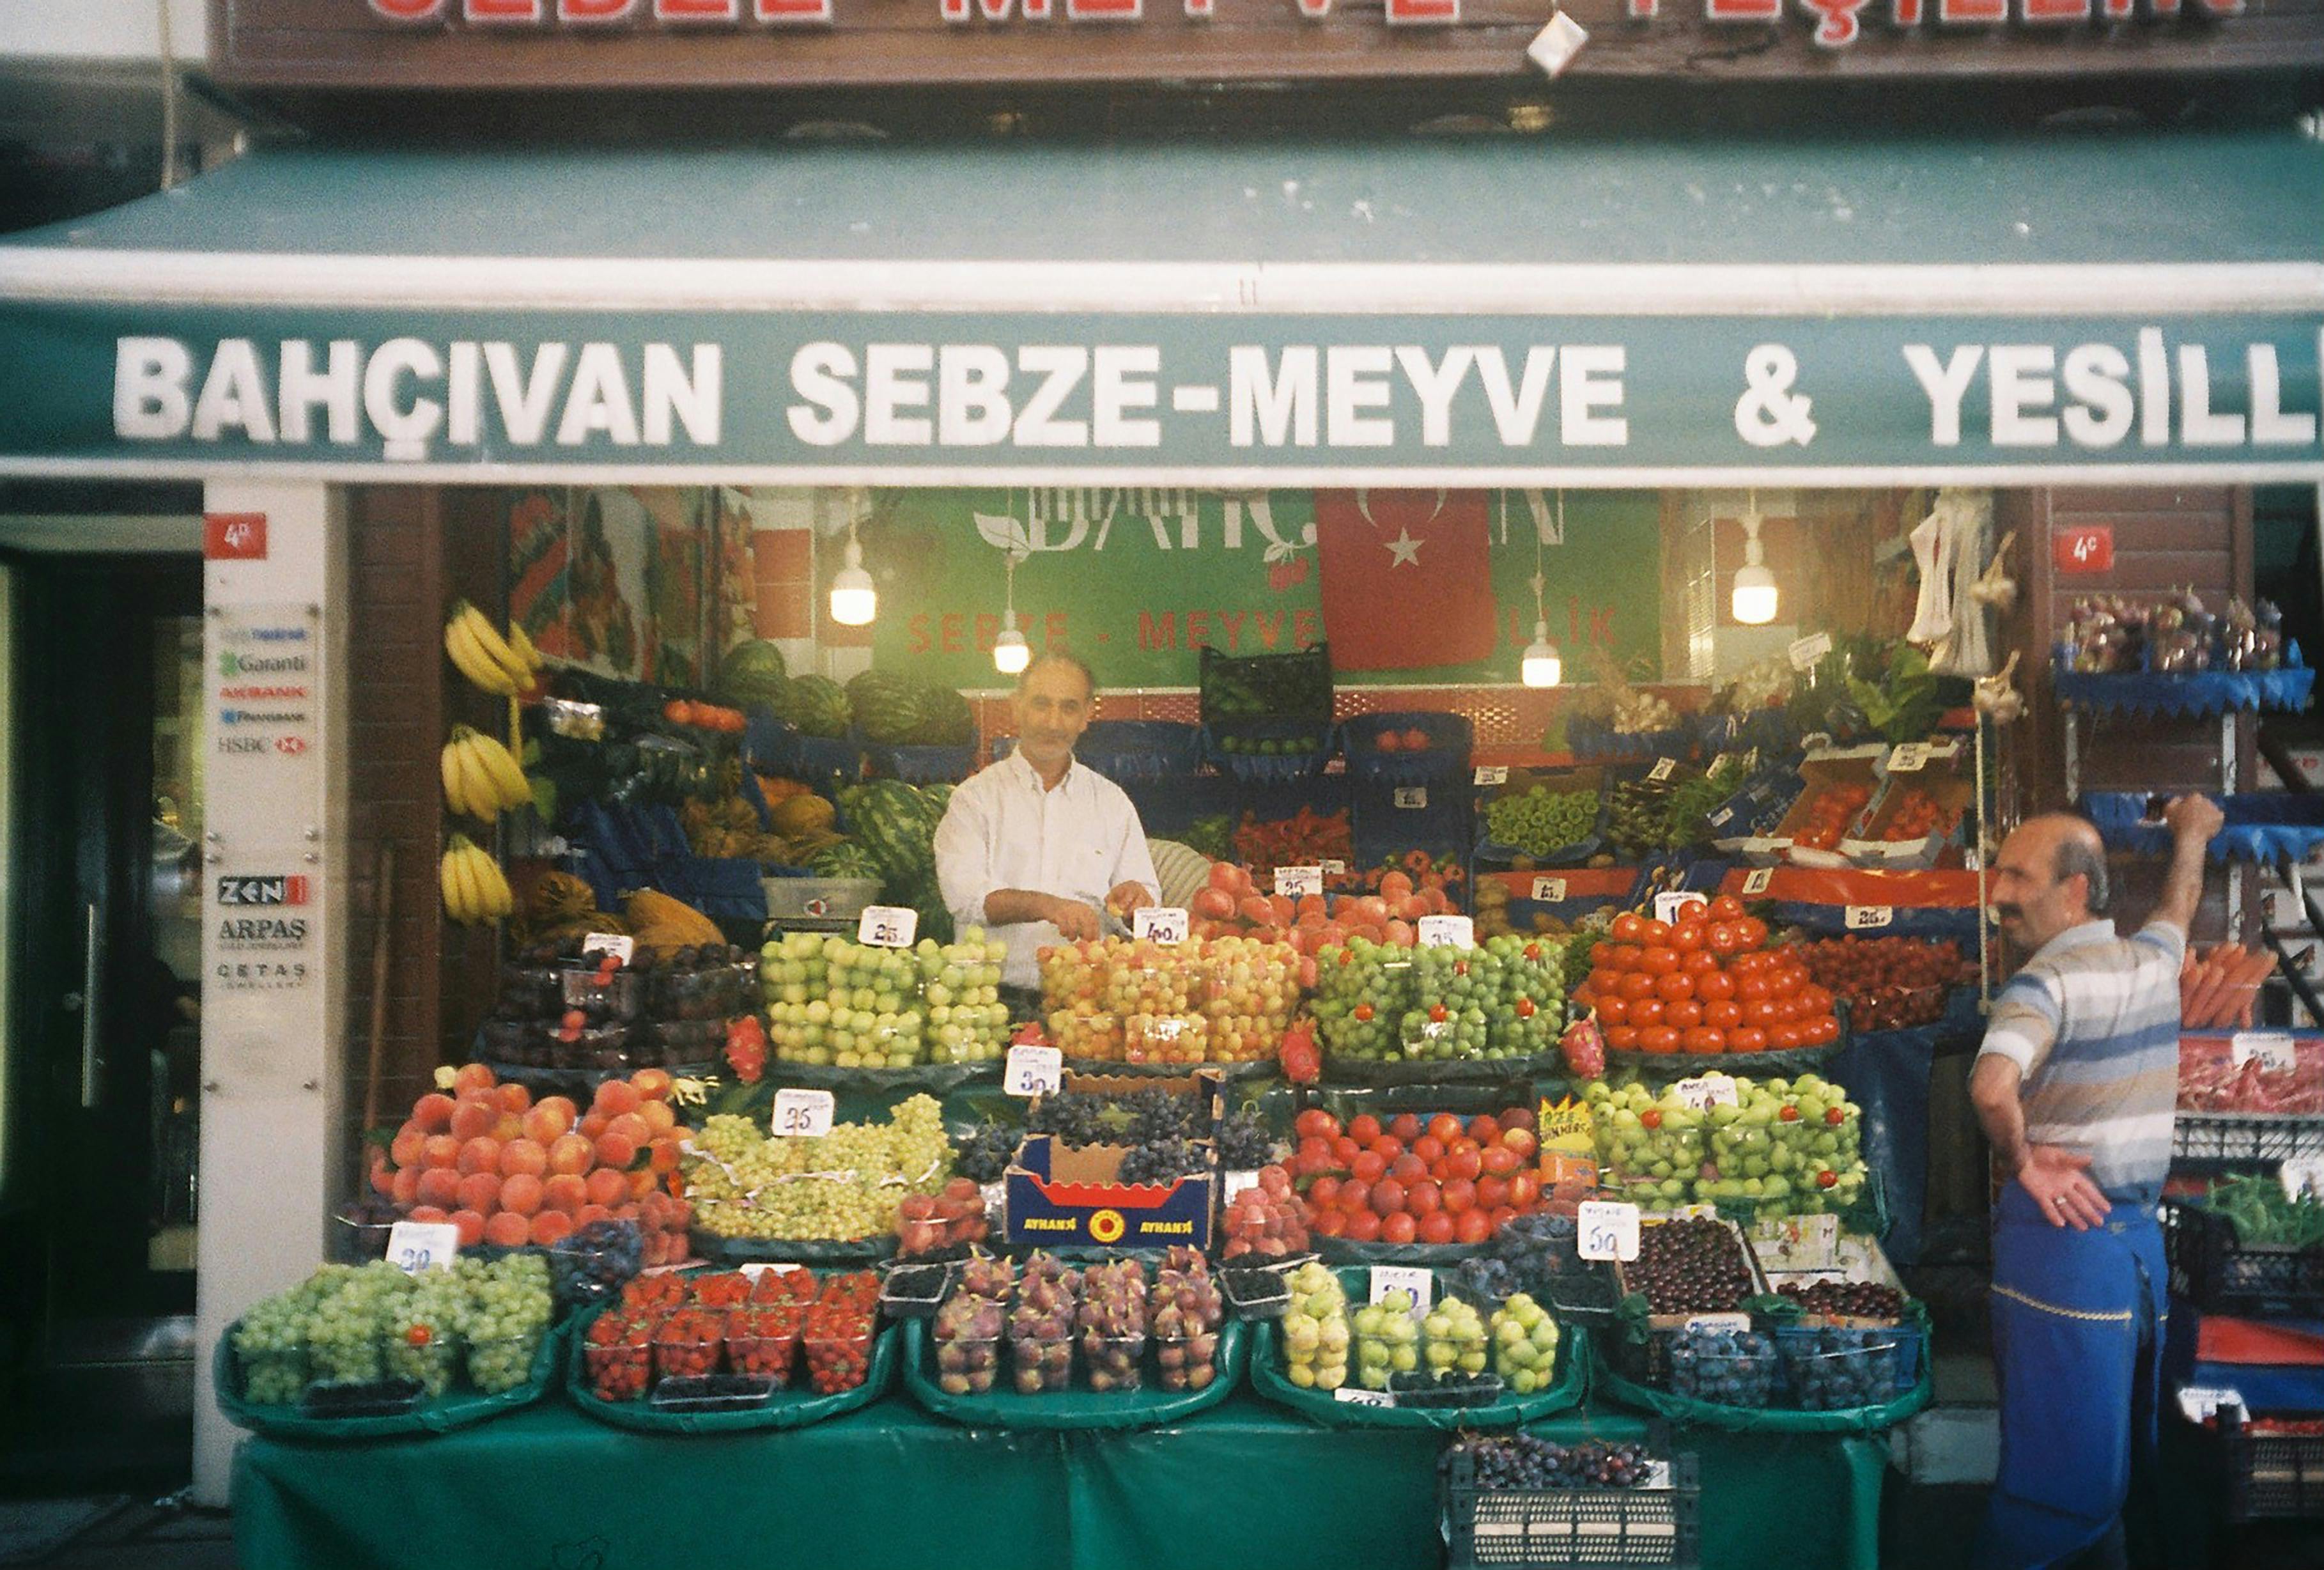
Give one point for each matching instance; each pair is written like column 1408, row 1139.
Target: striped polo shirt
column 2092, row 1023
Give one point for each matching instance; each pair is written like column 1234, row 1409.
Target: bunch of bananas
column 474, row 888
column 500, row 666
column 481, row 777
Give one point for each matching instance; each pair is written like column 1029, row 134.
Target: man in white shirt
column 1038, row 848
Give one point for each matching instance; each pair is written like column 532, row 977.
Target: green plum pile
column 840, row 1186
column 1316, row 1330
column 1794, row 1147
column 1540, row 821
column 836, row 1003
column 1386, row 1339
column 1363, row 992
column 356, row 1325
column 1503, row 999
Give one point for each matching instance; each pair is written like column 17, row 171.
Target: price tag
column 1160, row 923
column 754, row 1269
column 414, row 1246
column 1606, row 1229
column 1863, row 917
column 1360, row 1398
column 1669, row 906
column 1447, row 932
column 1658, row 1474
column 1719, row 819
column 888, row 925
column 1799, row 1243
column 2273, row 1049
column 1333, row 869
column 1720, row 762
column 1295, row 881
column 1549, row 890
column 620, row 946
column 1805, row 651
column 1739, row 1323
column 2301, row 1175
column 1033, row 1071
column 1706, row 1091
column 1662, row 769
column 1909, row 758
column 1412, row 796
column 2201, row 1403
column 1492, row 773
column 803, row 1113
column 1756, row 881
column 1415, row 1280
column 2089, row 549
column 1236, row 1182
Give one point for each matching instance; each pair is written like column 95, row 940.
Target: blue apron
column 2077, row 1341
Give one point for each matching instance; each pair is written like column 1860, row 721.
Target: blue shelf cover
column 2260, row 827
column 2202, row 693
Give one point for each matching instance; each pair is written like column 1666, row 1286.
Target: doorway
column 99, row 1004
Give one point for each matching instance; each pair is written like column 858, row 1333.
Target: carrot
column 2200, row 1006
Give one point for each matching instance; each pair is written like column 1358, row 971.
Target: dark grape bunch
column 592, row 1263
column 1244, row 1142
column 1847, row 1300
column 1526, row 1461
column 1161, row 1160
column 1139, row 1117
column 986, row 1153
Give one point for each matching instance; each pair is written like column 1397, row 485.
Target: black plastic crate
column 2213, row 1270
column 2271, row 1476
column 1578, row 1529
column 2202, row 1141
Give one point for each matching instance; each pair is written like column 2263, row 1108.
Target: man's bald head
column 2050, row 875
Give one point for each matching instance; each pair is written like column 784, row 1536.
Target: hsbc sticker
column 289, row 888
column 234, row 536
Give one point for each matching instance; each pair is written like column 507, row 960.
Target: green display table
column 1244, row 1483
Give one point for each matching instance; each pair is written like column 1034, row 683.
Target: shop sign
column 263, row 925
column 968, row 398
column 265, row 686
column 2086, row 548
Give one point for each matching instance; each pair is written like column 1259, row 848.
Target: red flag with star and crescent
column 1406, row 578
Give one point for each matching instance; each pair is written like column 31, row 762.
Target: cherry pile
column 1693, row 1266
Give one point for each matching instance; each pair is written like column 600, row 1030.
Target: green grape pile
column 838, row 1187
column 1362, row 992
column 1529, row 1014
column 356, row 1324
column 832, row 1001
column 1540, row 820
column 1454, row 989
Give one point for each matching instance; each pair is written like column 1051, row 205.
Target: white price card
column 1706, row 1091
column 1336, row 869
column 1662, row 769
column 1549, row 890
column 619, row 944
column 2301, row 1175
column 1720, row 818
column 1362, row 1398
column 1236, row 1182
column 1606, row 1229
column 1909, row 758
column 1670, row 907
column 1737, row 1323
column 1756, row 880
column 1805, row 651
column 1033, row 1071
column 1417, row 1281
column 888, row 925
column 2201, row 1403
column 1161, row 923
column 1412, row 796
column 1447, row 932
column 1294, row 881
column 1720, row 762
column 2273, row 1049
column 1492, row 773
column 805, row 1114
column 1864, row 917
column 414, row 1246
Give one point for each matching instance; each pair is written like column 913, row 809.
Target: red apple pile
column 1267, row 1218
column 1231, row 903
column 1437, row 1181
column 928, row 1222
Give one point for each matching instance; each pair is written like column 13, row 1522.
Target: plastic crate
column 779, row 749
column 2211, row 1268
column 2207, row 1141
column 1895, row 1347
column 1579, row 1529
column 2271, row 1476
column 1144, row 752
column 1451, row 738
column 1227, row 746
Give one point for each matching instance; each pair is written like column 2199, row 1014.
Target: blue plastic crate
column 1589, row 738
column 921, row 765
column 770, row 744
column 1223, row 747
column 1143, row 751
column 1451, row 739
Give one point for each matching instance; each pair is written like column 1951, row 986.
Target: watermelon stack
column 887, row 707
column 946, row 719
column 814, row 706
column 895, row 826
column 752, row 676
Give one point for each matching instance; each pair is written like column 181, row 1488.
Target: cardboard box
column 1059, row 1198
column 1949, row 780
column 1821, row 771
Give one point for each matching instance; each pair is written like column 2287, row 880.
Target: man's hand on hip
column 2059, row 1181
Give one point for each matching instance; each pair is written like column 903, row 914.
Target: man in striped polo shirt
column 2076, row 1083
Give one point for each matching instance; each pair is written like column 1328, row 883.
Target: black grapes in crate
column 1161, row 1161
column 1244, row 1142
column 1139, row 1117
column 1526, row 1461
column 592, row 1262
column 985, row 1154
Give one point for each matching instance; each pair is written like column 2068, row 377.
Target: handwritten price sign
column 1161, row 923
column 1605, row 1229
column 804, row 1113
column 888, row 925
column 414, row 1246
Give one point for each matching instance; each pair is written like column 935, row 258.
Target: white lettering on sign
column 2201, row 1403
column 803, row 1113
column 414, row 1246
column 1033, row 1071
column 1447, row 932
column 1492, row 774
column 1412, row 796
column 1354, row 1396
column 1756, row 880
column 1662, row 769
column 1706, row 1091
column 2093, row 394
column 1415, row 1281
column 1909, row 758
column 1605, row 1229
column 1549, row 890
column 1737, row 1323
column 888, row 925
column 1863, row 917
column 1159, row 923
column 2273, row 1048
column 1805, row 651
column 620, row 946
column 1296, row 881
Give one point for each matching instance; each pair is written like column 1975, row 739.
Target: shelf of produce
column 793, row 1407
column 891, row 1484
column 456, row 1410
column 1757, row 1421
column 2261, row 827
column 2198, row 695
column 1080, row 1407
column 939, row 1079
column 869, row 1251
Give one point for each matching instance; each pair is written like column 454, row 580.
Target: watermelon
column 897, row 825
column 887, row 707
column 946, row 719
column 752, row 675
column 921, row 894
column 814, row 706
column 938, row 795
column 845, row 860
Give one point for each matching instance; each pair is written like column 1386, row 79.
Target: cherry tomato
column 1784, row 1037
column 1752, row 988
column 1626, row 956
column 1636, row 984
column 1764, row 1013
column 1601, row 956
column 1622, row 1038
column 1823, row 1031
column 1684, row 1015
column 1722, row 938
column 1628, row 927
column 1648, row 1011
column 1722, row 1015
column 1752, row 932
column 1670, row 988
column 1658, row 1039
column 1725, row 907
column 1714, row 986
column 1660, row 960
column 1704, row 1038
column 1747, row 1039
column 1654, row 933
column 1613, row 1011
column 1687, row 937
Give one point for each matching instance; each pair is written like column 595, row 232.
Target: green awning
column 1482, row 309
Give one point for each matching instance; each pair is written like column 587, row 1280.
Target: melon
column 887, row 707
column 752, row 676
column 814, row 706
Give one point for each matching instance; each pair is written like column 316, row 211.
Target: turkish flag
column 1406, row 578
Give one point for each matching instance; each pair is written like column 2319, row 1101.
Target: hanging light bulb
column 1753, row 602
column 1011, row 652
column 854, row 598
column 1541, row 665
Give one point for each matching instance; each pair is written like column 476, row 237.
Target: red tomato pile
column 1706, row 985
column 1230, row 903
column 1918, row 816
column 1830, row 812
column 1440, row 1181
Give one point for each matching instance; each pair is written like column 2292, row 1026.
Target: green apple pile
column 1315, row 1329
column 1388, row 1339
column 1524, row 1345
column 832, row 1001
column 1792, row 1145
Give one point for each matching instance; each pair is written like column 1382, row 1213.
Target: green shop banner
column 1226, row 397
column 1411, row 585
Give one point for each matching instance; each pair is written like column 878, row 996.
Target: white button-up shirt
column 1004, row 830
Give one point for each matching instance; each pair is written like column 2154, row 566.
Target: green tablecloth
column 1245, row 1483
